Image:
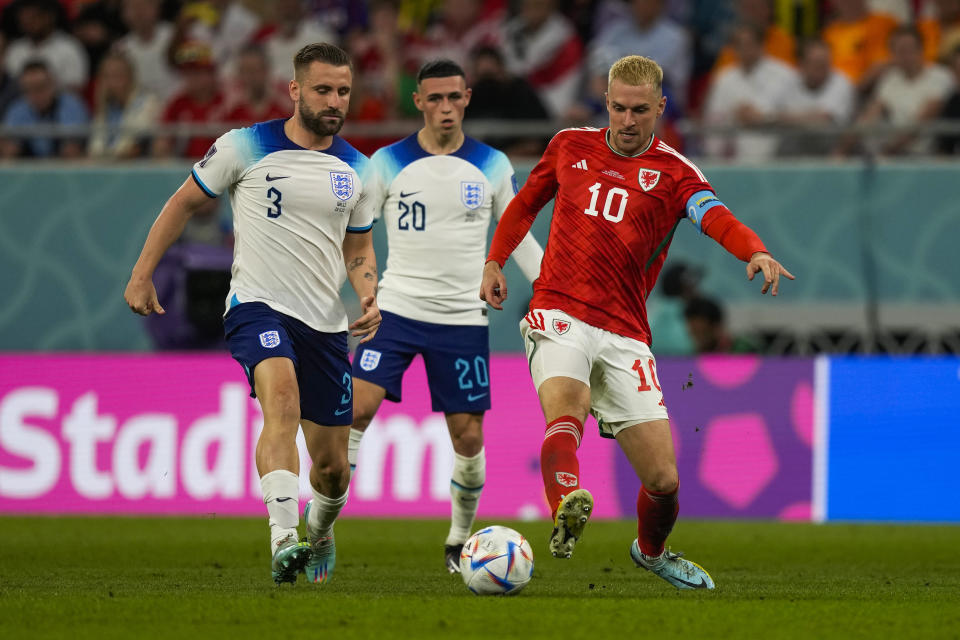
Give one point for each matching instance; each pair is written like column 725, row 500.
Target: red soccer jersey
column 613, row 220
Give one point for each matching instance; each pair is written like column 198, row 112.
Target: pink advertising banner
column 175, row 434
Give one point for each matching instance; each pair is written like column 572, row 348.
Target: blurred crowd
column 745, row 71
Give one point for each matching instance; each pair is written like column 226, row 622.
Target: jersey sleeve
column 519, row 215
column 364, row 213
column 528, row 253
column 222, row 165
column 694, row 194
column 379, row 182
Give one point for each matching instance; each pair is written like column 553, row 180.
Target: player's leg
column 628, row 402
column 278, row 463
column 466, row 481
column 329, row 482
column 457, row 360
column 649, row 448
column 565, row 403
column 367, row 398
column 378, row 368
column 259, row 341
column 558, row 348
column 326, row 389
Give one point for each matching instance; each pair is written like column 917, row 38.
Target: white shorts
column 621, row 372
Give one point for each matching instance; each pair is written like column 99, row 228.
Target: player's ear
column 661, row 106
column 466, row 95
column 417, row 102
column 294, row 90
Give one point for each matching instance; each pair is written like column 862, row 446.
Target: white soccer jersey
column 437, row 209
column 291, row 209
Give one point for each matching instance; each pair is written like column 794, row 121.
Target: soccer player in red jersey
column 620, row 194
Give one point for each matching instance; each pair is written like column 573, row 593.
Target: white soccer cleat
column 568, row 525
column 670, row 566
column 324, row 553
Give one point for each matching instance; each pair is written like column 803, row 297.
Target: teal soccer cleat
column 289, row 560
column 670, row 566
column 568, row 525
column 324, row 553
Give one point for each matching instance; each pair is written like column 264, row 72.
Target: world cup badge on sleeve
column 369, row 360
column 648, row 178
column 471, row 194
column 342, row 184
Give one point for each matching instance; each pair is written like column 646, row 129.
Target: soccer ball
column 496, row 561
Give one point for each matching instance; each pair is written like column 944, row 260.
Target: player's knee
column 362, row 416
column 663, row 480
column 331, row 476
column 468, row 443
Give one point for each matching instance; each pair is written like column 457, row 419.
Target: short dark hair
column 320, row 52
column 702, row 307
column 442, row 68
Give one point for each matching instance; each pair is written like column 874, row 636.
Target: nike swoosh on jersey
column 340, row 412
column 471, row 397
column 272, row 178
column 407, row 195
column 283, row 499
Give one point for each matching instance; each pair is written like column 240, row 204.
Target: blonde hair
column 635, row 71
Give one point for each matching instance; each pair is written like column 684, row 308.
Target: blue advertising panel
column 894, row 439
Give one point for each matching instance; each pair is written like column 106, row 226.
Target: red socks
column 558, row 459
column 656, row 513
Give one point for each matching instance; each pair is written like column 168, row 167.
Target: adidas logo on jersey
column 580, row 165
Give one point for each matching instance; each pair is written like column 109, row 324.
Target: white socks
column 355, row 437
column 281, row 491
column 466, row 483
column 324, row 512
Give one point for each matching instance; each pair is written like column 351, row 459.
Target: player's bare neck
column 305, row 138
column 613, row 147
column 439, row 143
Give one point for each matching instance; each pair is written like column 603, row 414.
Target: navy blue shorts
column 256, row 332
column 456, row 358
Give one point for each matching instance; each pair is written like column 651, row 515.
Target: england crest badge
column 369, row 360
column 471, row 194
column 648, row 178
column 270, row 339
column 342, row 185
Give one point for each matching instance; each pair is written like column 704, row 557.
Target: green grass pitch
column 209, row 578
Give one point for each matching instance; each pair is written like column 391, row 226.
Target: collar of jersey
column 413, row 150
column 274, row 137
column 606, row 138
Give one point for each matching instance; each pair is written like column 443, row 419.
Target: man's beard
column 314, row 121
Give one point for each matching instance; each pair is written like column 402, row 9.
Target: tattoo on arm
column 356, row 263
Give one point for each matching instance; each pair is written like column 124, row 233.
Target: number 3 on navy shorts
column 473, row 377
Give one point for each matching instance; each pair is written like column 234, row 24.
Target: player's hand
column 493, row 287
column 368, row 322
column 772, row 270
column 141, row 297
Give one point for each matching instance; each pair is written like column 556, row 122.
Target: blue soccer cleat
column 568, row 524
column 324, row 553
column 289, row 560
column 670, row 566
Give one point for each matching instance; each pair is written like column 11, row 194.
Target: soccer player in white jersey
column 438, row 192
column 302, row 219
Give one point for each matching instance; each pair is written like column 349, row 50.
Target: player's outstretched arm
column 493, row 287
column 361, row 262
column 772, row 270
column 742, row 242
column 140, row 293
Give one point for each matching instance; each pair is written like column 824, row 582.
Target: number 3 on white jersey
column 608, row 203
